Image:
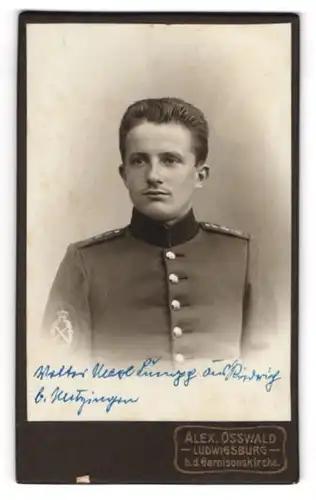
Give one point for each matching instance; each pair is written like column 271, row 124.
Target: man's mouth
column 155, row 192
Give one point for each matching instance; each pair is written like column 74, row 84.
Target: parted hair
column 167, row 110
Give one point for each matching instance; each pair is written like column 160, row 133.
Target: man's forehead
column 168, row 136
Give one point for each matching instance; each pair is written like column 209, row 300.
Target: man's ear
column 122, row 172
column 202, row 174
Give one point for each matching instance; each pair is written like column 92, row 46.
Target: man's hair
column 167, row 110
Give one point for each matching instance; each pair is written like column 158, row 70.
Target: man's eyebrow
column 143, row 154
column 172, row 153
column 138, row 153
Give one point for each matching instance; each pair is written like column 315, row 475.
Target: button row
column 175, row 305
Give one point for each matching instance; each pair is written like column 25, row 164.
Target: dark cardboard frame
column 135, row 452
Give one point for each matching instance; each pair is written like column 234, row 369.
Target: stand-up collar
column 161, row 235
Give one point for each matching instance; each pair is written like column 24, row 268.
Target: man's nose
column 154, row 172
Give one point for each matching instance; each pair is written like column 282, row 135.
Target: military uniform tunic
column 176, row 292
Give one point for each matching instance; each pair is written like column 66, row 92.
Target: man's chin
column 157, row 211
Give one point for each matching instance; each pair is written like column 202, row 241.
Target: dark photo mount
column 142, row 452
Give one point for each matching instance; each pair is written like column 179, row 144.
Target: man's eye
column 170, row 160
column 137, row 161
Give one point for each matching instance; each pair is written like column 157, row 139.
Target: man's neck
column 164, row 234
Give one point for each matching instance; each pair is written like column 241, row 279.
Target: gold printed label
column 206, row 449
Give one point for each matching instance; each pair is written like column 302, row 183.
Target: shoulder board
column 215, row 228
column 109, row 235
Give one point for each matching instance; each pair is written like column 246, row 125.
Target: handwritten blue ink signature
column 149, row 369
column 101, row 372
column 236, row 371
column 82, row 397
column 44, row 372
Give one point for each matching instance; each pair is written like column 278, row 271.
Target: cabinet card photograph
column 157, row 187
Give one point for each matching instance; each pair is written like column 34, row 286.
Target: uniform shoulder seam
column 217, row 228
column 100, row 238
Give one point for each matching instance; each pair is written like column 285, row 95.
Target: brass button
column 177, row 331
column 173, row 278
column 175, row 304
column 179, row 358
column 170, row 255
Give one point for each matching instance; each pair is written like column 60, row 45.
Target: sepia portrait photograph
column 159, row 221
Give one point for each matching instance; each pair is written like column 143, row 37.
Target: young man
column 166, row 285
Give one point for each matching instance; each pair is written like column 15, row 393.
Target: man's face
column 160, row 170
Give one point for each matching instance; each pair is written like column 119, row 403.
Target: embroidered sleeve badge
column 62, row 327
